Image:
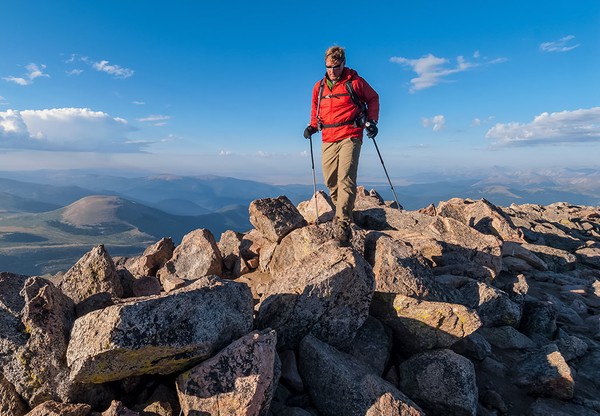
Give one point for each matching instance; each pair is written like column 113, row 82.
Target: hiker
column 343, row 105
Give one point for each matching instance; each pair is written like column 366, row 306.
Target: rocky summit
column 464, row 308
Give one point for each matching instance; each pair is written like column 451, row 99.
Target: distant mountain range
column 500, row 186
column 180, row 195
column 125, row 227
column 49, row 219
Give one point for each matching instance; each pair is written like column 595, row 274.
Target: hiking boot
column 342, row 233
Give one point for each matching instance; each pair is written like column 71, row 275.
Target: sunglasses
column 333, row 66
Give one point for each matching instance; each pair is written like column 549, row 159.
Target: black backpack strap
column 361, row 119
column 319, row 124
column 355, row 98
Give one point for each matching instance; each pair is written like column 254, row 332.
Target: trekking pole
column 312, row 159
column 386, row 174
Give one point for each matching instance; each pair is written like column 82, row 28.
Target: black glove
column 372, row 129
column 309, row 131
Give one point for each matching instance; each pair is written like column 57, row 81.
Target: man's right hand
column 309, row 131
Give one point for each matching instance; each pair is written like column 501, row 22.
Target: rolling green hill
column 125, row 227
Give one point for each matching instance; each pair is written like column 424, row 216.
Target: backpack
column 359, row 121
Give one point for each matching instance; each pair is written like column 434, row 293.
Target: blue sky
column 191, row 88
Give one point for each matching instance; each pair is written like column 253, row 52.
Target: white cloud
column 3, row 101
column 169, row 138
column 432, row 70
column 498, row 61
column 114, row 70
column 576, row 126
column 138, row 102
column 33, row 72
column 17, row 80
column 11, row 124
column 437, row 122
column 154, row 118
column 562, row 45
column 65, row 129
column 75, row 72
column 478, row 121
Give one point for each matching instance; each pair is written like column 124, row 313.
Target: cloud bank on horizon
column 81, row 129
column 578, row 126
column 65, row 129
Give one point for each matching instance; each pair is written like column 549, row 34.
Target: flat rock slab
column 160, row 334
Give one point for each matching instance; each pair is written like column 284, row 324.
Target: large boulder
column 240, row 379
column 372, row 345
column 10, row 286
column 441, row 382
column 570, row 346
column 340, row 384
column 421, row 325
column 230, row 246
column 589, row 256
column 474, row 346
column 507, row 338
column 54, row 408
column 327, row 295
column 367, row 199
column 299, row 245
column 290, row 377
column 400, row 269
column 198, row 255
column 159, row 334
column 256, row 249
column 520, row 254
column 553, row 407
column 556, row 260
column 93, row 274
column 589, row 368
column 546, row 225
column 494, row 306
column 153, row 258
column 275, row 217
column 11, row 404
column 545, row 373
column 319, row 203
column 539, row 318
column 450, row 246
column 482, row 215
column 117, row 408
column 38, row 373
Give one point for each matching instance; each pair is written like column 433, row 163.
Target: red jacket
column 336, row 107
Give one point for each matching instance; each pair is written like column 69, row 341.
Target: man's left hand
column 372, row 129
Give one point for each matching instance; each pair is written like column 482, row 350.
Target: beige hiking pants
column 340, row 168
